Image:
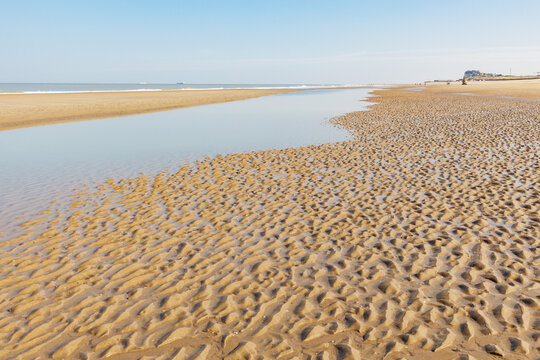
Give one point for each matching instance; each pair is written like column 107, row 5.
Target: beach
column 416, row 239
column 25, row 110
column 513, row 88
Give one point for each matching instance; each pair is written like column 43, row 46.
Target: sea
column 37, row 88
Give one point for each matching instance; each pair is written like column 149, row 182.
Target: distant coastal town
column 477, row 75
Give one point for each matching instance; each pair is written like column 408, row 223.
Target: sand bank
column 416, row 240
column 24, row 110
column 516, row 88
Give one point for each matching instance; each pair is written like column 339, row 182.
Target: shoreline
column 22, row 110
column 27, row 110
column 417, row 238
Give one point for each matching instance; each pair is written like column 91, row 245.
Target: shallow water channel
column 41, row 164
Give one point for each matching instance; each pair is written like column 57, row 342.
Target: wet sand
column 24, row 110
column 416, row 240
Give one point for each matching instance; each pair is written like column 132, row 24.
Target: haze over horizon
column 261, row 42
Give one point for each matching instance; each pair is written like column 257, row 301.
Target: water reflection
column 48, row 161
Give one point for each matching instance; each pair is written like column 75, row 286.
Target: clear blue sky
column 260, row 41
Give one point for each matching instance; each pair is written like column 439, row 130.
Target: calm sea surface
column 56, row 87
column 41, row 164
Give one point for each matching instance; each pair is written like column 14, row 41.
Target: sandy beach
column 24, row 110
column 513, row 88
column 418, row 239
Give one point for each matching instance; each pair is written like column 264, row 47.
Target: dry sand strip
column 419, row 239
column 24, row 110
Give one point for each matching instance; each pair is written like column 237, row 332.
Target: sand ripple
column 418, row 239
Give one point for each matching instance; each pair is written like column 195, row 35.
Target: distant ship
column 180, row 83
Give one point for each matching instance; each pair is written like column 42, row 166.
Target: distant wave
column 186, row 88
column 74, row 91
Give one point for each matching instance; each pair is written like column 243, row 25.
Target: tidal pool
column 42, row 164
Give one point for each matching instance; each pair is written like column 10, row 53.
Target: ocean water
column 43, row 164
column 31, row 88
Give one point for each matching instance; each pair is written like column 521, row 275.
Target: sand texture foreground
column 419, row 239
column 24, row 110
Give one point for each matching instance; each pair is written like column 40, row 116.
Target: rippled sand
column 24, row 110
column 417, row 240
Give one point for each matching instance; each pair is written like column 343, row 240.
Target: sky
column 262, row 41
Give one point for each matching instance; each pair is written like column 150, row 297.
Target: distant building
column 478, row 73
column 472, row 73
